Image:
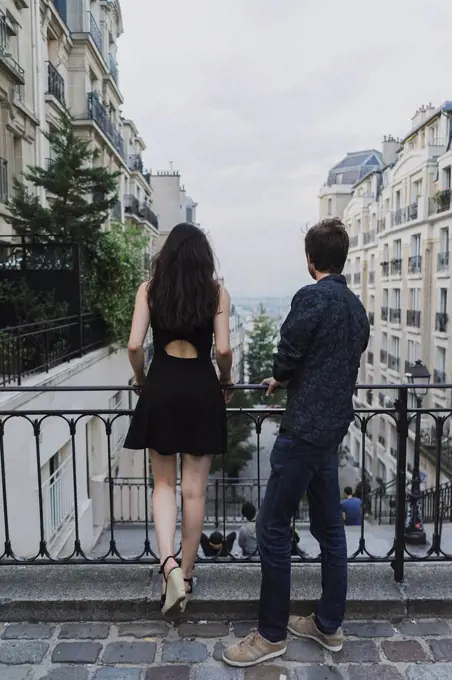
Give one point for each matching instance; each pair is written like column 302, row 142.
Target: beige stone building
column 399, row 217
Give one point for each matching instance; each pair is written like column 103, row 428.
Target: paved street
column 157, row 651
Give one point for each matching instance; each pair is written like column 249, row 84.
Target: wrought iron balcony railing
column 371, row 316
column 395, row 314
column 113, row 66
column 393, row 362
column 385, row 269
column 415, row 264
column 55, row 84
column 383, row 356
column 441, row 322
column 413, row 318
column 370, row 358
column 61, row 495
column 99, row 113
column 396, row 267
column 96, row 33
column 443, row 261
column 3, row 180
column 135, row 162
column 439, row 376
column 384, row 313
column 5, row 53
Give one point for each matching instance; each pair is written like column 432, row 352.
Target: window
column 330, row 207
column 440, row 370
column 397, row 249
column 414, row 351
column 417, row 190
column 381, row 471
column 385, row 252
column 372, row 303
column 372, row 263
column 442, row 301
column 357, row 265
column 358, row 226
column 384, row 342
column 385, row 297
column 415, row 299
column 416, row 245
column 444, row 240
column 395, row 346
column 57, row 491
column 396, row 298
column 446, row 178
column 397, row 200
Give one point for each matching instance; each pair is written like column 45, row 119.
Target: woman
column 181, row 408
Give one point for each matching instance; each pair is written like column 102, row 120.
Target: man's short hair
column 327, row 245
column 248, row 511
column 348, row 491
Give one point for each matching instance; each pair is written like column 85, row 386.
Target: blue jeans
column 299, row 467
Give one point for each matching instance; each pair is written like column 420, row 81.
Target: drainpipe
column 36, row 80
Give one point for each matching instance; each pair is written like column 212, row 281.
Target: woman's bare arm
column 140, row 326
column 222, row 337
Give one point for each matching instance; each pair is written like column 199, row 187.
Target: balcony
column 441, row 202
column 413, row 211
column 135, row 162
column 393, row 363
column 3, row 180
column 443, row 262
column 385, row 269
column 395, row 315
column 55, row 84
column 131, row 205
column 441, row 321
column 371, row 316
column 372, row 278
column 6, row 59
column 403, row 215
column 369, row 237
column 141, row 210
column 415, row 264
column 381, row 225
column 413, row 318
column 439, row 376
column 396, row 267
column 370, row 358
column 357, row 277
column 98, row 113
column 384, row 313
column 354, row 241
column 95, row 33
column 113, row 67
column 383, row 356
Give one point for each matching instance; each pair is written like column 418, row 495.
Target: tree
column 80, row 195
column 259, row 358
column 240, row 428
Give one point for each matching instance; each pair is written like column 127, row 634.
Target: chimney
column 389, row 149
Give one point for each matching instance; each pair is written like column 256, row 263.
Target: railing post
column 401, row 406
column 78, row 273
column 217, row 502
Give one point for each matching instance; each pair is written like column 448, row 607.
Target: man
column 351, row 508
column 318, row 358
column 247, row 533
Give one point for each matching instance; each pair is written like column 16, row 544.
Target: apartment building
column 171, row 202
column 399, row 217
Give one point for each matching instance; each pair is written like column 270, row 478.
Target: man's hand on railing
column 273, row 385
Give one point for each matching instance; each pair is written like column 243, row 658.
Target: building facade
column 399, row 217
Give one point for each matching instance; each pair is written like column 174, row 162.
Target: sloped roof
column 355, row 166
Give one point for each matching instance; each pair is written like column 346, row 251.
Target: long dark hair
column 183, row 291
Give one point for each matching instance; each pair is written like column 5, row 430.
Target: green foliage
column 25, row 305
column 240, row 428
column 80, row 194
column 114, row 274
column 261, row 348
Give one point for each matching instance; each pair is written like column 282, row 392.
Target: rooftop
column 354, row 167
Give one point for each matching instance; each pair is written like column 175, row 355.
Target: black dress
column 181, row 408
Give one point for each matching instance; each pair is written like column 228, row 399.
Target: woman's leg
column 164, row 505
column 195, row 471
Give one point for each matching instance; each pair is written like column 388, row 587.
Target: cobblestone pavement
column 156, row 651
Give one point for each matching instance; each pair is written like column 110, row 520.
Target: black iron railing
column 131, row 205
column 384, row 313
column 95, row 33
column 37, row 347
column 413, row 318
column 59, row 498
column 99, row 113
column 370, row 358
column 3, row 180
column 385, row 268
column 441, row 322
column 396, row 267
column 443, row 262
column 371, row 316
column 395, row 314
column 143, row 211
column 55, row 83
column 415, row 264
column 113, row 66
column 5, row 52
column 394, row 362
column 135, row 162
column 383, row 356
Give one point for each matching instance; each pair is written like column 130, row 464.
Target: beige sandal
column 172, row 600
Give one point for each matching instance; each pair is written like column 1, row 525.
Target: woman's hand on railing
column 228, row 392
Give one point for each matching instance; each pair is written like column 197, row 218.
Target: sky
column 254, row 100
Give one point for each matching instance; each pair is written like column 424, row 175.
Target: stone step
column 127, row 592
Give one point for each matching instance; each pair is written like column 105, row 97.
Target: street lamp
column 419, row 377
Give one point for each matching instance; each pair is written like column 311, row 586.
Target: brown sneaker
column 252, row 650
column 307, row 628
